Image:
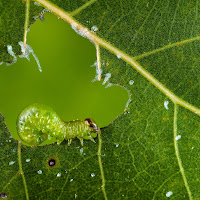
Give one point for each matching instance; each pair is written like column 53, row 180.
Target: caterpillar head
column 92, row 125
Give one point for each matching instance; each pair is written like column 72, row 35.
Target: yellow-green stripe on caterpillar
column 37, row 123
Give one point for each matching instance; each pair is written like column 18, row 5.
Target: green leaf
column 151, row 151
column 13, row 29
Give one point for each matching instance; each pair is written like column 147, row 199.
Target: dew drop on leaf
column 131, row 82
column 118, row 56
column 166, row 105
column 92, row 175
column 178, row 137
column 168, row 194
column 11, row 162
column 39, row 171
column 94, row 29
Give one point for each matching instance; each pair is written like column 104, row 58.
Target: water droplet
column 131, row 82
column 71, row 180
column 117, row 145
column 59, row 174
column 168, row 194
column 11, row 162
column 28, row 160
column 39, row 171
column 92, row 175
column 166, row 105
column 94, row 29
column 119, row 56
column 178, row 137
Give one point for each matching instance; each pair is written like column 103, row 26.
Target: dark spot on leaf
column 3, row 195
column 52, row 162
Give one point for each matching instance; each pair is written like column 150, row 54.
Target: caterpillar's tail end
column 81, row 140
column 69, row 142
column 92, row 139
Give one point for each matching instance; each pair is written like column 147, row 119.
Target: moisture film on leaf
column 150, row 151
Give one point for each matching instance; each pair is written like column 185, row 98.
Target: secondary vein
column 21, row 170
column 26, row 23
column 78, row 10
column 101, row 166
column 177, row 152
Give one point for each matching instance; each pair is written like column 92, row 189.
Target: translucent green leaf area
column 151, row 151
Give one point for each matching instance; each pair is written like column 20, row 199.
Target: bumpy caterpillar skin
column 37, row 123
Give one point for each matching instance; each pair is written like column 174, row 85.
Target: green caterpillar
column 37, row 123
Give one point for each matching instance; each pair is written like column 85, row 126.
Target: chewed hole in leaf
column 72, row 82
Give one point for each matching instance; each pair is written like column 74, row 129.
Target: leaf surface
column 151, row 151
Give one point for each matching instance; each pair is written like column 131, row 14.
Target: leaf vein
column 21, row 170
column 83, row 7
column 178, row 154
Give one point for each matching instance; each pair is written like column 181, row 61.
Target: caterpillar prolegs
column 37, row 123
